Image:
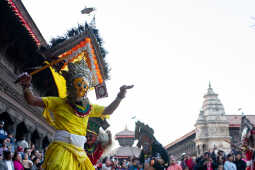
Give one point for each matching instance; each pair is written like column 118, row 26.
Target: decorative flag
column 101, row 91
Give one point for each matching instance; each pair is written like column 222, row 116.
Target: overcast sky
column 170, row 50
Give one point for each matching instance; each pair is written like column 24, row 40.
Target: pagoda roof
column 126, row 151
column 125, row 134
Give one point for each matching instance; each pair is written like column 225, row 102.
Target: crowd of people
column 210, row 161
column 109, row 163
column 18, row 155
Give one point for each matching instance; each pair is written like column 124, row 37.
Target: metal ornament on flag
column 101, row 90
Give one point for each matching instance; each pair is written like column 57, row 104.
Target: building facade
column 19, row 41
column 213, row 130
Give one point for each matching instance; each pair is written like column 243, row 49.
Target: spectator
column 187, row 161
column 17, row 161
column 106, row 164
column 40, row 166
column 11, row 143
column 206, row 162
column 3, row 133
column 27, row 164
column 221, row 167
column 240, row 164
column 124, row 165
column 140, row 166
column 173, row 164
column 220, row 158
column 36, row 162
column 8, row 146
column 20, row 150
column 229, row 165
column 23, row 143
column 134, row 164
column 4, row 147
column 6, row 163
column 27, row 151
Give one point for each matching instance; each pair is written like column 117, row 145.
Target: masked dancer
column 98, row 140
column 69, row 116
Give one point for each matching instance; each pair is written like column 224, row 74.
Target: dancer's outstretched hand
column 123, row 90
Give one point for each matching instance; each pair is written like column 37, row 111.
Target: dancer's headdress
column 94, row 125
column 142, row 129
column 76, row 70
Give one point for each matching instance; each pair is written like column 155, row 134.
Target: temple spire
column 212, row 104
column 210, row 90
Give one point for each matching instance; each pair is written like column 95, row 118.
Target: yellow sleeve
column 51, row 104
column 97, row 111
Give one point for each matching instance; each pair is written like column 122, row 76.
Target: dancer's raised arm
column 121, row 95
column 25, row 81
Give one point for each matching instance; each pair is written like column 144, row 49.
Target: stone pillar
column 2, row 107
column 16, row 117
column 16, row 122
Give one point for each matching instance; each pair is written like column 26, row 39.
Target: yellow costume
column 61, row 155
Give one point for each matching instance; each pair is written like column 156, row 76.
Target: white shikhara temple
column 213, row 129
column 212, row 126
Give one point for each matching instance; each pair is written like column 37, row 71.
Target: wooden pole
column 47, row 66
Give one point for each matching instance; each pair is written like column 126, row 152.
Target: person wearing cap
column 229, row 165
column 240, row 164
column 97, row 140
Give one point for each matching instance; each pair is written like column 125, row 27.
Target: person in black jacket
column 240, row 164
column 153, row 153
column 206, row 162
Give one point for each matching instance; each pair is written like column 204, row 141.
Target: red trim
column 124, row 137
column 234, row 125
column 24, row 22
column 120, row 157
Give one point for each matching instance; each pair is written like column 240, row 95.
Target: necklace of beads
column 81, row 111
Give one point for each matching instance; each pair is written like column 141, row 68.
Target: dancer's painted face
column 81, row 86
column 91, row 138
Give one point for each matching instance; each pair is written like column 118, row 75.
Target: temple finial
column 210, row 86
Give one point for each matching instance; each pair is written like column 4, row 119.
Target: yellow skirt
column 64, row 156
